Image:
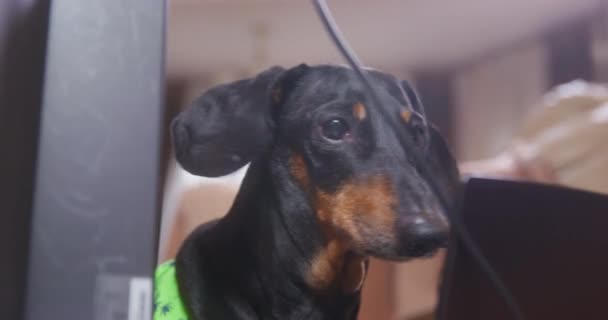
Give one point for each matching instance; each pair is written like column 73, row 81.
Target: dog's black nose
column 425, row 238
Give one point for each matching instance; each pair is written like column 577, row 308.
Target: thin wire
column 457, row 224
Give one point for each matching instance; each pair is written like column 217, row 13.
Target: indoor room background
column 479, row 65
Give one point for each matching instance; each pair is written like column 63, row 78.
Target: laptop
column 548, row 244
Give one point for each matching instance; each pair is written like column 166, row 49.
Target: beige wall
column 600, row 46
column 493, row 96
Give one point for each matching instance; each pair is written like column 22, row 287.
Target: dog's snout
column 424, row 238
column 427, row 239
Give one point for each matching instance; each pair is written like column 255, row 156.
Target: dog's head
column 343, row 152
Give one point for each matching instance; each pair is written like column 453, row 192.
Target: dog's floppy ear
column 442, row 163
column 230, row 124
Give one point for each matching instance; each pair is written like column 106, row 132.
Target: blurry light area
column 213, row 36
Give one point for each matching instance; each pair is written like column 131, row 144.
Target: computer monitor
column 547, row 243
column 84, row 232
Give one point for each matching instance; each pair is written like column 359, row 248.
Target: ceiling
column 213, row 36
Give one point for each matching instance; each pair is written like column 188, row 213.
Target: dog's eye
column 334, row 129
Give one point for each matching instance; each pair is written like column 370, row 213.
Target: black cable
column 456, row 223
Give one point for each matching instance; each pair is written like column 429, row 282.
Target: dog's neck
column 282, row 263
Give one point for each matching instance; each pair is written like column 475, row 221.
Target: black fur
column 254, row 262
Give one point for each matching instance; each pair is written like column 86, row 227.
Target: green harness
column 168, row 304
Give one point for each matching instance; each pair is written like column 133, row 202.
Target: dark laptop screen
column 548, row 244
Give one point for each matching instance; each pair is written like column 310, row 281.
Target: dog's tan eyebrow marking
column 359, row 111
column 406, row 115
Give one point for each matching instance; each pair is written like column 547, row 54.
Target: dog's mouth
column 410, row 241
column 425, row 251
column 400, row 255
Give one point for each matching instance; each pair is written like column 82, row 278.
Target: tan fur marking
column 326, row 265
column 406, row 116
column 297, row 166
column 359, row 111
column 333, row 269
column 368, row 204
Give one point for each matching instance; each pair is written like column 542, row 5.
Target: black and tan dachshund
column 328, row 186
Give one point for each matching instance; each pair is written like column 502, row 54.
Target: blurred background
column 82, row 99
column 479, row 65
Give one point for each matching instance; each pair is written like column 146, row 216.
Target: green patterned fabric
column 167, row 301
